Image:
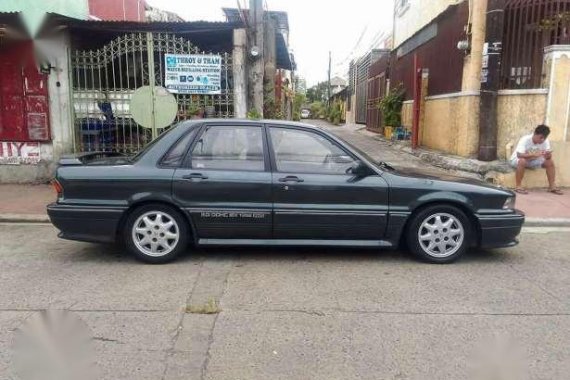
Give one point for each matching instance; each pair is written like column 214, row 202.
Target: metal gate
column 530, row 26
column 104, row 81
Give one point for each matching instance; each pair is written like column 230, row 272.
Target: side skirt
column 299, row 243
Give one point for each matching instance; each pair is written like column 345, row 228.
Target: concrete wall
column 33, row 11
column 557, row 79
column 418, row 14
column 519, row 112
column 451, row 123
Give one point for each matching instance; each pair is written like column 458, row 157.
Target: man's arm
column 529, row 156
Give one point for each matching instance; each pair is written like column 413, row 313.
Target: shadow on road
column 107, row 253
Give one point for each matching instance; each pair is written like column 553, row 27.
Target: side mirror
column 359, row 169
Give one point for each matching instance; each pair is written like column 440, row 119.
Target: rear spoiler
column 85, row 158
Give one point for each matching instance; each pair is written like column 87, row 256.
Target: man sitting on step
column 533, row 151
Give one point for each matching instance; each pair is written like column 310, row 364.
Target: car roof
column 249, row 121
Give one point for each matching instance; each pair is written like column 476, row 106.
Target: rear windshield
column 143, row 151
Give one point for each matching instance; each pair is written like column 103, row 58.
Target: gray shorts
column 532, row 164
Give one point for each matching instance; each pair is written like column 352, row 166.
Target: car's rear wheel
column 439, row 234
column 156, row 233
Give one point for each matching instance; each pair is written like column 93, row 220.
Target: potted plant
column 194, row 111
column 210, row 108
column 391, row 107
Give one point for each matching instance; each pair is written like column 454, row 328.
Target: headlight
column 509, row 204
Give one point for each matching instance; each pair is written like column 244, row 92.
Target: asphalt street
column 297, row 313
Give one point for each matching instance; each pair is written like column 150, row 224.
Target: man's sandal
column 521, row 190
column 556, row 191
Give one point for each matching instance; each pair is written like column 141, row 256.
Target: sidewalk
column 25, row 203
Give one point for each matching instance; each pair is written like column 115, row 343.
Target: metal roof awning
column 12, row 27
column 54, row 19
column 283, row 59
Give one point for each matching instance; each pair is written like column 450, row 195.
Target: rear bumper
column 86, row 223
column 500, row 231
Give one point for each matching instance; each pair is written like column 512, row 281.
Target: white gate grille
column 104, row 81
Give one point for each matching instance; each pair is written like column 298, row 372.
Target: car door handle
column 291, row 178
column 195, row 176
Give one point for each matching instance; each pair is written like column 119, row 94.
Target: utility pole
column 257, row 68
column 490, row 80
column 329, row 84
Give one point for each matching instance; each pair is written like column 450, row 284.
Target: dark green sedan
column 243, row 182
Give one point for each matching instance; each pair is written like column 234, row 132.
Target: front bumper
column 499, row 231
column 86, row 223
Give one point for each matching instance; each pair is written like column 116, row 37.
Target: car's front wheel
column 439, row 234
column 156, row 233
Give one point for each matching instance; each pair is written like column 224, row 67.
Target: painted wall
column 33, row 11
column 55, row 49
column 557, row 67
column 518, row 114
column 408, row 114
column 451, row 124
column 418, row 13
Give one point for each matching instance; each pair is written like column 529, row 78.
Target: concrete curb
column 24, row 218
column 547, row 222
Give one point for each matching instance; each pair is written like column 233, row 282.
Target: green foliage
column 335, row 112
column 318, row 109
column 391, row 107
column 271, row 110
column 193, row 109
column 317, row 93
column 253, row 114
column 298, row 102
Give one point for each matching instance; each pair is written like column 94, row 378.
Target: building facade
column 82, row 84
column 446, row 52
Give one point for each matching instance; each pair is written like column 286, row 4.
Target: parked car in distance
column 305, row 113
column 245, row 182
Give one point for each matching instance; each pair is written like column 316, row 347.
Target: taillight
column 57, row 187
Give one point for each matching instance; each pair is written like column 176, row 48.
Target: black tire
column 162, row 255
column 452, row 253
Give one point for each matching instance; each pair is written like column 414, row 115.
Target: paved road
column 298, row 314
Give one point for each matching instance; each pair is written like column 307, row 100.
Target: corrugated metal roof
column 12, row 25
column 136, row 26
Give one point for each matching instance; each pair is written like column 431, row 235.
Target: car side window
column 298, row 151
column 176, row 154
column 229, row 148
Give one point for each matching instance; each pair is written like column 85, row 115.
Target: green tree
column 317, row 93
column 298, row 102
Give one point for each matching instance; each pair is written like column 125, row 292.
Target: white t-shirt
column 526, row 145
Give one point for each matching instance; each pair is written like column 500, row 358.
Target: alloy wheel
column 155, row 233
column 441, row 235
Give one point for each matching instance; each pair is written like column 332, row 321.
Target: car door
column 225, row 183
column 314, row 196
